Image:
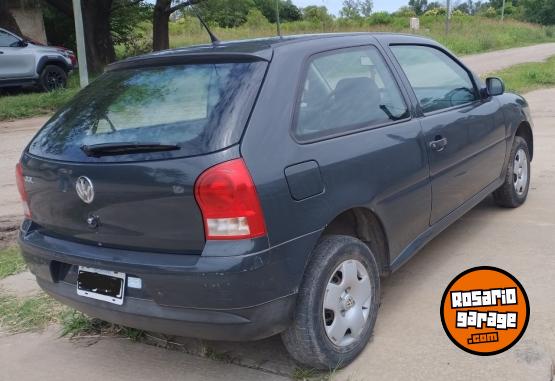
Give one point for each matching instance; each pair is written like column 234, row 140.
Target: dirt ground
column 408, row 341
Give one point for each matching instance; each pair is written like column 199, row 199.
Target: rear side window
column 438, row 81
column 7, row 40
column 346, row 90
column 200, row 107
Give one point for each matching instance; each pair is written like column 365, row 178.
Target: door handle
column 438, row 144
column 1, row 52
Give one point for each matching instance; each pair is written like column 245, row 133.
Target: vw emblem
column 85, row 189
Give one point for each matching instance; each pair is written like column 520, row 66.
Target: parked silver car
column 23, row 63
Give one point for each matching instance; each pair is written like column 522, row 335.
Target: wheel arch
column 364, row 224
column 524, row 130
column 56, row 61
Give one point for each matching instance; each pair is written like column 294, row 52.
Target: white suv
column 23, row 63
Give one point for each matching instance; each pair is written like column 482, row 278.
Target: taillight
column 21, row 188
column 229, row 203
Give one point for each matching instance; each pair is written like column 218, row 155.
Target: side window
column 438, row 81
column 6, row 39
column 345, row 90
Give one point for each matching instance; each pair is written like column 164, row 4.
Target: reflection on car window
column 347, row 90
column 438, row 81
column 200, row 107
column 6, row 39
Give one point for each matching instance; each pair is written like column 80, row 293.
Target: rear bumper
column 238, row 297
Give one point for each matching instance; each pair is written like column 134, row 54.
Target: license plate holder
column 105, row 285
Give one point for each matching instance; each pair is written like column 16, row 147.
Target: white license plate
column 105, row 285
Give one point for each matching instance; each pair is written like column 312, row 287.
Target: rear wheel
column 514, row 190
column 53, row 77
column 337, row 304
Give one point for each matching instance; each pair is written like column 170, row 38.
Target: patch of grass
column 530, row 76
column 75, row 324
column 20, row 315
column 304, row 374
column 11, row 262
column 18, row 104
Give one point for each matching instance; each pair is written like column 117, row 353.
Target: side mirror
column 19, row 44
column 494, row 86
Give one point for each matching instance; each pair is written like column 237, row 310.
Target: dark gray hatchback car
column 240, row 190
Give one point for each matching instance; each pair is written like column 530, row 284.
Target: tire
column 307, row 340
column 52, row 78
column 514, row 190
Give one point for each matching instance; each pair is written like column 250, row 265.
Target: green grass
column 11, row 262
column 75, row 324
column 27, row 103
column 36, row 312
column 527, row 77
column 468, row 34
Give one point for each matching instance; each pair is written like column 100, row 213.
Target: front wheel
column 337, row 304
column 52, row 78
column 514, row 190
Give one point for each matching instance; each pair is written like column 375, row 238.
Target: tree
column 316, row 13
column 287, row 10
column 350, row 10
column 366, row 7
column 226, row 13
column 96, row 22
column 161, row 19
column 7, row 21
column 418, row 6
column 539, row 11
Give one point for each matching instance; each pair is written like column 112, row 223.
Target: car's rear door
column 16, row 62
column 464, row 138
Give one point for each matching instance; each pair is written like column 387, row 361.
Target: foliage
column 125, row 18
column 317, row 14
column 256, row 20
column 436, row 12
column 539, row 11
column 226, row 13
column 528, row 76
column 418, row 6
column 488, row 12
column 366, row 7
column 350, row 10
column 11, row 262
column 287, row 10
column 380, row 18
column 405, row 12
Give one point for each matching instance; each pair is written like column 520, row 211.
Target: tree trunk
column 98, row 39
column 96, row 23
column 160, row 28
column 7, row 21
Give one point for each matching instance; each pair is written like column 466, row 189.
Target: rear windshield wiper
column 106, row 149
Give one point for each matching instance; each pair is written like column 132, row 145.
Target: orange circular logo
column 485, row 310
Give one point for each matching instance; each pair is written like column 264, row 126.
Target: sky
column 335, row 5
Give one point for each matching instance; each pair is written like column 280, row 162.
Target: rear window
column 199, row 107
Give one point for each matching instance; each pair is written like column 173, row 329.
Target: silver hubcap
column 347, row 303
column 520, row 172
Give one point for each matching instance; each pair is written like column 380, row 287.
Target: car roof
column 258, row 49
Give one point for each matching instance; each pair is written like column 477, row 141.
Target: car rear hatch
column 117, row 166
